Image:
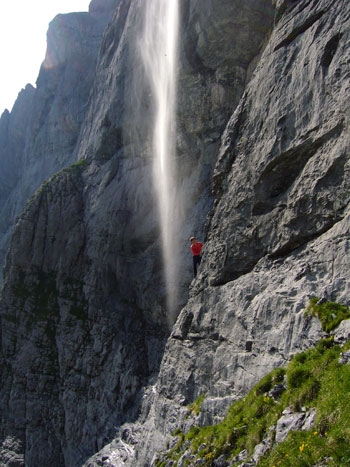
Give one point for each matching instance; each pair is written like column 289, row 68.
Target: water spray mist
column 159, row 55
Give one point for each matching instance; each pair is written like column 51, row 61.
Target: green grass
column 195, row 407
column 313, row 379
column 329, row 313
column 330, row 438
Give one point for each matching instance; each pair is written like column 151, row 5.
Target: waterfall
column 159, row 56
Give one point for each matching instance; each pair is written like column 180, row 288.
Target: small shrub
column 195, row 407
column 263, row 405
column 264, row 385
column 279, row 374
column 325, row 344
column 297, row 377
column 300, row 358
column 329, row 313
column 310, row 392
column 194, row 430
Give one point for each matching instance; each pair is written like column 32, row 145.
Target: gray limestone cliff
column 38, row 137
column 278, row 232
column 93, row 369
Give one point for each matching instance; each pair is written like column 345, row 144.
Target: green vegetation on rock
column 329, row 313
column 314, row 379
column 195, row 407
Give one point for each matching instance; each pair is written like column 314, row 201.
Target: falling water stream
column 159, row 55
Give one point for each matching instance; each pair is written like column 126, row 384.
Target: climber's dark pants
column 196, row 262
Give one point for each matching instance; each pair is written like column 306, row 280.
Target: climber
column 196, row 248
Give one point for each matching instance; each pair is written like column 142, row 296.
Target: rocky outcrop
column 87, row 363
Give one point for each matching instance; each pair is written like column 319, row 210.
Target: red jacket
column 196, row 248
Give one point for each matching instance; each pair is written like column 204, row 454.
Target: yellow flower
column 301, row 447
column 315, row 433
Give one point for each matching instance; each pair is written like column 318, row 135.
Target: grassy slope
column 313, row 379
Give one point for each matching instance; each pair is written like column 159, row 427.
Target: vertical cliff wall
column 278, row 233
column 84, row 321
column 39, row 136
column 262, row 161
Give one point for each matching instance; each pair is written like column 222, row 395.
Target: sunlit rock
column 93, row 368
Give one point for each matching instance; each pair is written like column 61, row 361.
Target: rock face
column 279, row 229
column 39, row 136
column 90, row 359
column 13, row 128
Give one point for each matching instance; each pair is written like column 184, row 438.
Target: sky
column 23, row 28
